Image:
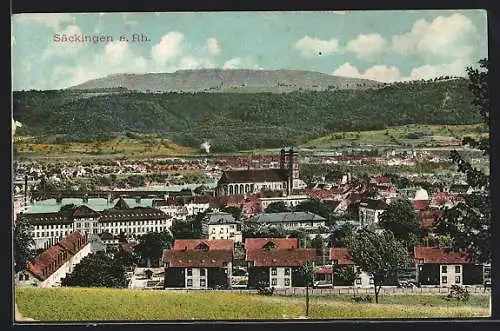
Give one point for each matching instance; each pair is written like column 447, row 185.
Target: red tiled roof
column 281, row 243
column 441, row 255
column 55, row 256
column 197, row 259
column 213, row 245
column 341, row 255
column 281, row 258
column 84, row 211
column 420, row 204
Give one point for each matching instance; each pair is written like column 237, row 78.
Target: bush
column 458, row 293
column 362, row 299
column 262, row 289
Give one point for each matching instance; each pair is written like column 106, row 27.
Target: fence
column 301, row 291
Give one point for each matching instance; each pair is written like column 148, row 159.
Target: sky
column 386, row 46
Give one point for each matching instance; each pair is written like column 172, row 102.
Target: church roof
column 253, row 176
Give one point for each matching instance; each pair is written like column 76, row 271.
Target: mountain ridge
column 220, row 80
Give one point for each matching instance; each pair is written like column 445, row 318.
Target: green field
column 397, row 136
column 92, row 304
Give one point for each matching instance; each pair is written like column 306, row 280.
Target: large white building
column 289, row 201
column 289, row 220
column 370, row 211
column 182, row 207
column 55, row 262
column 49, row 228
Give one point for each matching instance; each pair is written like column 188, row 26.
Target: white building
column 49, row 228
column 56, row 262
column 370, row 211
column 222, row 226
column 182, row 207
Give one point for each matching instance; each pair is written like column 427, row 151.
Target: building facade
column 220, row 225
column 370, row 211
column 289, row 220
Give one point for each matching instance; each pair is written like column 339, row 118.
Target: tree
column 23, row 243
column 314, row 206
column 469, row 222
column 401, row 219
column 277, row 207
column 307, row 270
column 97, row 270
column 379, row 255
column 151, row 246
column 341, row 234
column 235, row 211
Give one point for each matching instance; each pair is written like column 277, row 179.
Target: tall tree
column 307, row 270
column 151, row 246
column 23, row 243
column 314, row 206
column 379, row 255
column 469, row 222
column 401, row 219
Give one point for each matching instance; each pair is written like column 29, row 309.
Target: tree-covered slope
column 242, row 121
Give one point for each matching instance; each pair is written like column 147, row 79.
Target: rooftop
column 299, row 216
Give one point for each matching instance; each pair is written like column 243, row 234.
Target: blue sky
column 382, row 45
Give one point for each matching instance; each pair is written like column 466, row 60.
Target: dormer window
column 202, row 247
column 269, row 245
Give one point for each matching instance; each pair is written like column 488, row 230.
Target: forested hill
column 227, row 80
column 242, row 121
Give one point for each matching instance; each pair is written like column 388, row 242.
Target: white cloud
column 381, row 73
column 64, row 48
column 339, row 12
column 367, row 45
column 12, row 40
column 212, row 46
column 310, row 47
column 190, row 62
column 169, row 48
column 240, row 63
column 445, row 37
column 115, row 52
column 127, row 20
column 455, row 68
column 53, row 20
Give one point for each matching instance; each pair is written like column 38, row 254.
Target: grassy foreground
column 92, row 304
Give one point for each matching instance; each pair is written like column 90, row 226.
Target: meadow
column 93, row 304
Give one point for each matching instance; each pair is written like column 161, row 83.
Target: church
column 250, row 181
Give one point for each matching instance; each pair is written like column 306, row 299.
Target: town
column 256, row 224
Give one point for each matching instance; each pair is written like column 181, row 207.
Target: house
column 276, row 267
column 55, row 262
column 370, row 211
column 419, row 197
column 441, row 266
column 289, row 220
column 198, row 264
column 341, row 257
column 222, row 226
column 109, row 239
column 182, row 206
column 274, row 243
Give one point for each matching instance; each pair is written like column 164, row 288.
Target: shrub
column 262, row 289
column 458, row 293
column 362, row 298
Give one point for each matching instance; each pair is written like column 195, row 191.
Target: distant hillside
column 242, row 121
column 218, row 80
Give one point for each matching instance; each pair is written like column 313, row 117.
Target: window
column 421, row 261
column 287, row 281
column 444, row 269
column 202, row 282
column 202, row 272
column 26, row 277
column 287, row 271
column 274, row 271
column 335, row 261
column 189, row 272
column 274, row 281
column 358, row 281
column 457, row 269
column 21, row 277
column 457, row 280
column 371, row 281
column 444, row 279
column 189, row 283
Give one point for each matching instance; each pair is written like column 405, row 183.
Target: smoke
column 205, row 146
column 15, row 124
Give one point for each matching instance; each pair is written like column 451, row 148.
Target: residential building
column 182, row 207
column 198, row 264
column 55, row 262
column 222, row 226
column 272, row 266
column 289, row 220
column 441, row 266
column 271, row 243
column 370, row 211
column 341, row 257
